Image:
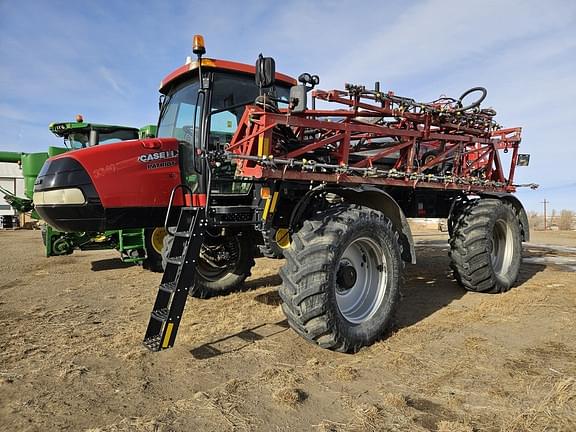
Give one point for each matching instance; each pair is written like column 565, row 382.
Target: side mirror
column 93, row 138
column 265, row 71
column 298, row 98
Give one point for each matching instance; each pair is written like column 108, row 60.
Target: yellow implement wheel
column 157, row 239
column 153, row 242
column 282, row 237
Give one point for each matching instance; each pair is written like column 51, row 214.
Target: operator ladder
column 177, row 281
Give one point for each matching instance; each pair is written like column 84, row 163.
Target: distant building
column 12, row 180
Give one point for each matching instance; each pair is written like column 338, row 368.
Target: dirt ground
column 71, row 356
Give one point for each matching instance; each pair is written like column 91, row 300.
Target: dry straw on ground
column 451, row 426
column 346, row 373
column 290, row 396
column 555, row 411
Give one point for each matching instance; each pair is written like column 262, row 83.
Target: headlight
column 59, row 197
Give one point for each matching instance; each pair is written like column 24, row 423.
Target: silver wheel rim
column 361, row 280
column 502, row 248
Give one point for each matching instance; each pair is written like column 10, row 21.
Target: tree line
column 564, row 221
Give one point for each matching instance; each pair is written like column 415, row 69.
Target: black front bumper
column 64, row 173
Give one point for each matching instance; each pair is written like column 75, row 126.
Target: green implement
column 140, row 246
column 22, row 205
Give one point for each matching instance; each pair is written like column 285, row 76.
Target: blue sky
column 105, row 59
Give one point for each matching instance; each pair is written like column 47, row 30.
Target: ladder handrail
column 170, row 203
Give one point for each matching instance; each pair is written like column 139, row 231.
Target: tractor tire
column 154, row 243
column 212, row 281
column 275, row 242
column 456, row 213
column 486, row 246
column 341, row 281
column 427, row 157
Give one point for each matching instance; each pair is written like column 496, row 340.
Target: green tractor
column 138, row 245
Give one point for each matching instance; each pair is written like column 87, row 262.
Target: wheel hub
column 61, row 246
column 346, row 277
column 157, row 239
column 219, row 258
column 361, row 280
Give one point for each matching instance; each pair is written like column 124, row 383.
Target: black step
column 174, row 260
column 185, row 234
column 153, row 343
column 160, row 314
column 168, row 287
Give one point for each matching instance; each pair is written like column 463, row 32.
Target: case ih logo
column 150, row 157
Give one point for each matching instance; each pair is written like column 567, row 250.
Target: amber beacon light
column 198, row 46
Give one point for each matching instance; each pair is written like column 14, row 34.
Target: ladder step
column 191, row 208
column 153, row 343
column 185, row 234
column 168, row 287
column 175, row 260
column 160, row 314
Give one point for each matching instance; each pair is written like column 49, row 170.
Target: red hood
column 135, row 173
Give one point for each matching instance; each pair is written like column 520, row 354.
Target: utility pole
column 545, row 202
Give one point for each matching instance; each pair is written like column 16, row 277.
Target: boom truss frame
column 347, row 145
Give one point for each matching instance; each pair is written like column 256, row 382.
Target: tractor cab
column 78, row 134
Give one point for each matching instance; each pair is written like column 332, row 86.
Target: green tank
column 31, row 165
column 55, row 151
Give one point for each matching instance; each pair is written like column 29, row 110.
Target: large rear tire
column 341, row 281
column 486, row 246
column 224, row 264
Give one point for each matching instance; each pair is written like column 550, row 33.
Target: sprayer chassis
column 334, row 188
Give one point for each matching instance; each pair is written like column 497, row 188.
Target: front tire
column 341, row 281
column 486, row 246
column 213, row 277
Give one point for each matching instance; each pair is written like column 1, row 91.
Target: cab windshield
column 177, row 117
column 78, row 140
